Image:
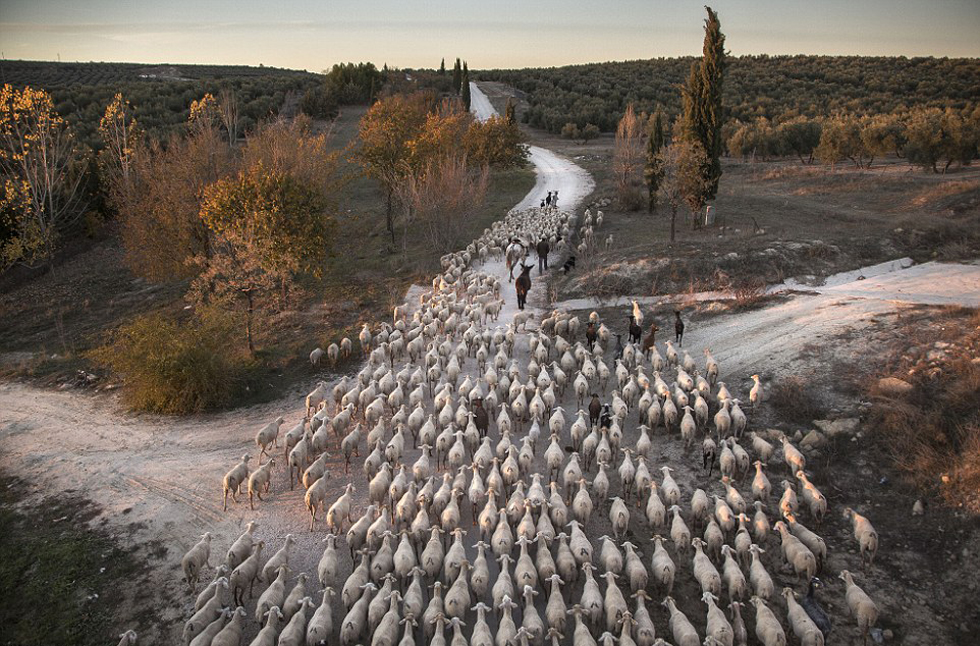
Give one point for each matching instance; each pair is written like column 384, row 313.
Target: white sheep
column 195, row 559
column 267, row 435
column 234, row 479
column 260, row 480
column 128, row 638
column 316, row 356
column 862, row 608
column 865, row 535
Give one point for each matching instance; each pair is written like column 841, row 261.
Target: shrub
column 176, row 367
column 795, row 401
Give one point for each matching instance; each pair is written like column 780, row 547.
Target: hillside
column 755, row 86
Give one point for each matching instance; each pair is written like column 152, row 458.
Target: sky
column 315, row 34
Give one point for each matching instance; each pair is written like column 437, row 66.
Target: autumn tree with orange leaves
column 42, row 171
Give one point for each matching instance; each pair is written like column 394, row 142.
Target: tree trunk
column 673, row 224
column 388, row 216
column 248, row 323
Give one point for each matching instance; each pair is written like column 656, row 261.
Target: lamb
column 196, row 558
column 267, row 435
column 862, row 608
column 865, row 535
column 233, row 479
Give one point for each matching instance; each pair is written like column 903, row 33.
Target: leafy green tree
column 799, row 136
column 570, row 131
column 653, row 170
column 959, row 139
column 702, row 101
column 589, row 132
column 840, row 139
column 495, row 142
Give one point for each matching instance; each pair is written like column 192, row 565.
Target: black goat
column 678, row 328
column 813, row 609
column 635, row 330
column 523, row 285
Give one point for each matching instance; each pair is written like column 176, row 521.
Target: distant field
column 755, row 86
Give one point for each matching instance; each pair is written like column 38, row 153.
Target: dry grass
column 933, row 433
column 795, row 401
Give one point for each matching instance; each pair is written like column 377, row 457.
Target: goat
column 523, row 285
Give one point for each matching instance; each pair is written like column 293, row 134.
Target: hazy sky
column 313, row 34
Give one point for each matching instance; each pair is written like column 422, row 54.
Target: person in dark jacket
column 543, row 249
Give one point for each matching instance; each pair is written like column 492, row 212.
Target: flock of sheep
column 452, row 408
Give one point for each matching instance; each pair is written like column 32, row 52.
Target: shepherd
column 543, row 249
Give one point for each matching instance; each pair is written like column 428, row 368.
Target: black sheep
column 569, row 265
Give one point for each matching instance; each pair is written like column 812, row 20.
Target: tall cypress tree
column 465, row 87
column 703, row 112
column 712, row 77
column 653, row 171
column 442, row 67
column 457, row 76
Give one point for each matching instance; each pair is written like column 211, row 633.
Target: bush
column 176, row 367
column 795, row 401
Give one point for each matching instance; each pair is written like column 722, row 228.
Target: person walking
column 547, row 200
column 543, row 249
